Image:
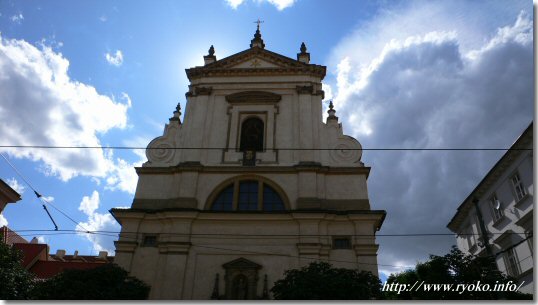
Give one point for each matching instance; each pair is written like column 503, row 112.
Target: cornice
column 190, row 167
column 524, row 140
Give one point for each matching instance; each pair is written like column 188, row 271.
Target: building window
column 252, row 135
column 224, row 201
column 511, row 262
column 149, row 241
column 519, row 189
column 528, row 235
column 470, row 237
column 271, row 200
column 496, row 208
column 342, row 242
column 248, row 195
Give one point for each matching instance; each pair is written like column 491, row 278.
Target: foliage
column 16, row 282
column 320, row 281
column 453, row 268
column 107, row 282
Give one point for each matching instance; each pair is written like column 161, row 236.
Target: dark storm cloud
column 428, row 94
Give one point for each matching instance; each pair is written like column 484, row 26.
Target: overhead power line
column 104, row 233
column 40, row 197
column 251, row 251
column 262, row 235
column 276, row 148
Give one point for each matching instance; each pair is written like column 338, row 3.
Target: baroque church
column 250, row 184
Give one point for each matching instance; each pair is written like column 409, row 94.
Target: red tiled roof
column 82, row 258
column 32, row 252
column 9, row 237
column 47, row 269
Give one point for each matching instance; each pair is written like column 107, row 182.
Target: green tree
column 453, row 268
column 320, row 281
column 15, row 281
column 107, row 282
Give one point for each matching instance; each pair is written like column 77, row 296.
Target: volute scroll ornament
column 161, row 150
column 346, row 150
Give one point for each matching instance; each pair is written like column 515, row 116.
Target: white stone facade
column 506, row 201
column 173, row 237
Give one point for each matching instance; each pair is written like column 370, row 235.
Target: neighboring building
column 37, row 260
column 7, row 195
column 259, row 184
column 10, row 237
column 506, row 206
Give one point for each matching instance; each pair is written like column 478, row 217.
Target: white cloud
column 234, row 3
column 432, row 86
column 115, row 59
column 279, row 4
column 35, row 88
column 103, row 18
column 48, row 198
column 88, row 205
column 18, row 187
column 41, row 240
column 101, row 241
column 17, row 18
column 123, row 176
column 3, row 221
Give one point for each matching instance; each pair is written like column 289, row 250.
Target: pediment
column 255, row 58
column 255, row 61
column 241, row 263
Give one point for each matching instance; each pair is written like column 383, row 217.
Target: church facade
column 250, row 184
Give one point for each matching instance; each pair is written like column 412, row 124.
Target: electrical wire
column 40, row 197
column 71, row 232
column 287, row 149
column 262, row 235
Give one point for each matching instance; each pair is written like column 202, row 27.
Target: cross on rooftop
column 258, row 22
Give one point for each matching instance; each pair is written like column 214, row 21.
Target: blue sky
column 401, row 73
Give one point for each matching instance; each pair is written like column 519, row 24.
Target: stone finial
column 210, row 57
column 303, row 48
column 177, row 114
column 257, row 41
column 303, row 56
column 331, row 112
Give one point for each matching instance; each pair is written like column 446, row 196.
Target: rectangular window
column 342, row 242
column 519, row 189
column 511, row 262
column 496, row 208
column 149, row 241
column 528, row 235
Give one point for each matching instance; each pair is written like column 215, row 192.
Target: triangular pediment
column 241, row 263
column 263, row 57
column 255, row 61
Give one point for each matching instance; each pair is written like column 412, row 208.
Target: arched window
column 271, row 200
column 252, row 135
column 224, row 201
column 248, row 195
